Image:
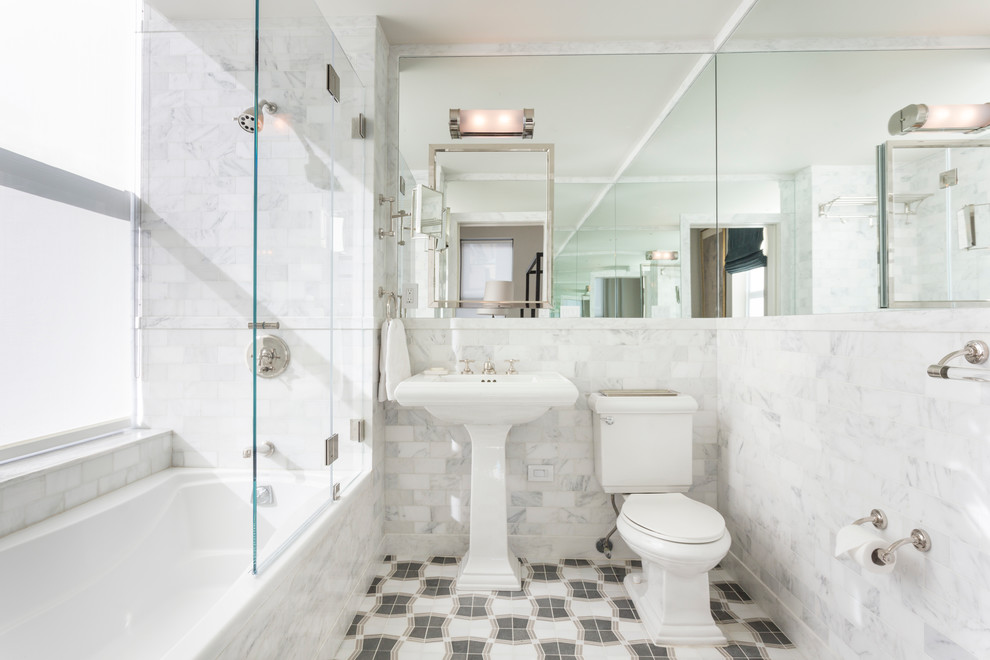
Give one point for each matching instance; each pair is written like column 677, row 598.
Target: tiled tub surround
column 822, row 419
column 427, row 463
column 196, row 240
column 195, row 279
column 37, row 488
column 566, row 610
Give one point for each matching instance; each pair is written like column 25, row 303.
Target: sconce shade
column 919, row 117
column 491, row 123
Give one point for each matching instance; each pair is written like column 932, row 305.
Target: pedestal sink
column 487, row 406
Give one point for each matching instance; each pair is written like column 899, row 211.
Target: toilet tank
column 643, row 442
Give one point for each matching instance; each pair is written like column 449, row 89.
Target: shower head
column 246, row 119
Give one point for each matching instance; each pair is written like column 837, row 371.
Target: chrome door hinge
column 332, row 449
column 357, row 430
column 336, row 491
column 333, row 83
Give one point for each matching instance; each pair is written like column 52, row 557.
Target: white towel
column 394, row 361
column 382, row 394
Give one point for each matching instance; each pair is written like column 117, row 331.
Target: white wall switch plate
column 540, row 472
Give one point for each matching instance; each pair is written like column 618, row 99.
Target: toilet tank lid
column 681, row 403
column 674, row 517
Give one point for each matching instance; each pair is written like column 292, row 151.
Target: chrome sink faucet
column 489, row 368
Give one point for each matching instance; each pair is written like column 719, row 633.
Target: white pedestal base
column 488, row 564
column 674, row 609
column 485, row 573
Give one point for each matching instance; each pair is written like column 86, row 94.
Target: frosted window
column 69, row 79
column 66, row 334
column 749, row 293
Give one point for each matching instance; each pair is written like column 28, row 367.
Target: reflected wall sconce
column 918, row 117
column 491, row 123
column 662, row 255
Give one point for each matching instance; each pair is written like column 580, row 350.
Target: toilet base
column 690, row 625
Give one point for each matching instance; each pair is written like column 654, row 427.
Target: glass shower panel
column 308, row 172
column 938, row 223
column 351, row 398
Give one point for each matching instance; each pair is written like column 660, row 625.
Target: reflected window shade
column 743, row 250
column 484, row 259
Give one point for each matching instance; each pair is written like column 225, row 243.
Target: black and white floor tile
column 568, row 610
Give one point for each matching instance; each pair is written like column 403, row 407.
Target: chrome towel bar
column 975, row 352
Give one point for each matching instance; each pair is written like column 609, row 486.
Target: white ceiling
column 864, row 19
column 525, row 21
column 521, row 21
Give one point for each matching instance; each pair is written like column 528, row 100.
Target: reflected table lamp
column 497, row 291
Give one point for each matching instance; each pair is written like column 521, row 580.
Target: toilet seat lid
column 674, row 517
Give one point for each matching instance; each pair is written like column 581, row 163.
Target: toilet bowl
column 643, row 450
column 679, row 540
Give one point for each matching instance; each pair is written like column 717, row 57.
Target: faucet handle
column 467, row 366
column 512, row 366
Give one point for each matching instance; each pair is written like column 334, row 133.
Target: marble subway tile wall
column 427, row 464
column 308, row 614
column 196, row 280
column 822, row 419
column 37, row 488
column 844, row 249
column 926, row 261
column 196, row 240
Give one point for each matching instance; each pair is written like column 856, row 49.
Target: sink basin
column 487, row 406
column 479, row 399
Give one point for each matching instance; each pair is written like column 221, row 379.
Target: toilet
column 643, row 449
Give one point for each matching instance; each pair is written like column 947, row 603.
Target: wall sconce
column 491, row 123
column 919, row 117
column 662, row 255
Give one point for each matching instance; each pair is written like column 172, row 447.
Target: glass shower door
column 306, row 177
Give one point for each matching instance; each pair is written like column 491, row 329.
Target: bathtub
column 158, row 569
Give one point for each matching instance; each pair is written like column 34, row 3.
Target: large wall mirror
column 643, row 225
column 797, row 157
column 633, row 181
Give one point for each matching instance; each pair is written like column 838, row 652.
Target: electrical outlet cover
column 410, row 295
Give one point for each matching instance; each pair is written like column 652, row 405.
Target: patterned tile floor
column 569, row 610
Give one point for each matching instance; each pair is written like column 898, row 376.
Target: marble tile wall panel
column 196, row 273
column 844, row 253
column 804, row 214
column 926, row 262
column 317, row 255
column 39, row 487
column 822, row 419
column 310, row 610
column 427, row 463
